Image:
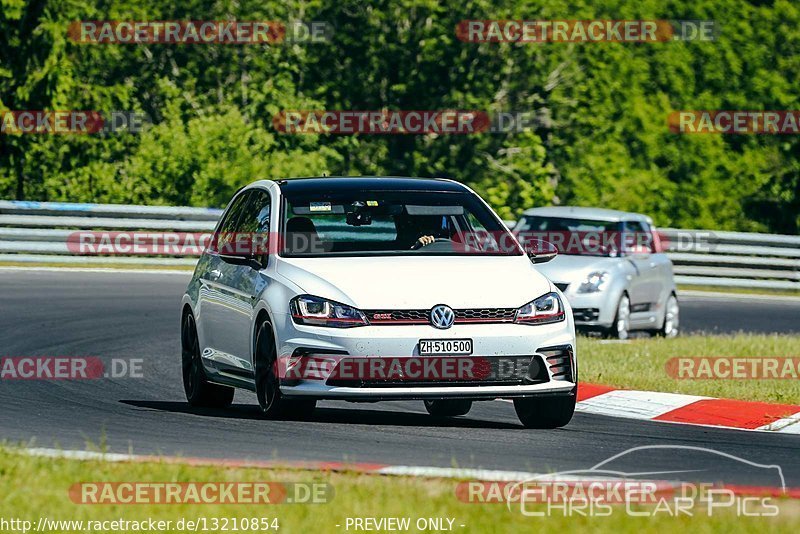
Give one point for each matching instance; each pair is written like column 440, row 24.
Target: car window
column 638, row 238
column 572, row 236
column 334, row 228
column 255, row 216
column 227, row 229
column 253, row 226
column 245, row 228
column 358, row 222
column 234, row 212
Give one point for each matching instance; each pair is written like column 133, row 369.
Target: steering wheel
column 438, row 245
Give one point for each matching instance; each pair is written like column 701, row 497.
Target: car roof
column 382, row 183
column 579, row 212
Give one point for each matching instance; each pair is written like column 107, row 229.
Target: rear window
column 572, row 236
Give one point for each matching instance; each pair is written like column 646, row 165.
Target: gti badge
column 442, row 316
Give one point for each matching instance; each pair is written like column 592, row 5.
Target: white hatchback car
column 368, row 289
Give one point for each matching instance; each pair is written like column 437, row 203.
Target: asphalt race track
column 136, row 315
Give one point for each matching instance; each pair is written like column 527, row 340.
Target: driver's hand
column 423, row 241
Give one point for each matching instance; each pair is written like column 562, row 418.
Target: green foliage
column 601, row 137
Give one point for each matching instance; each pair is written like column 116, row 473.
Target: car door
column 211, row 303
column 235, row 283
column 662, row 268
column 645, row 285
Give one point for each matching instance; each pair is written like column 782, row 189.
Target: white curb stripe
column 635, row 404
column 787, row 425
column 491, row 475
column 80, row 455
column 454, row 472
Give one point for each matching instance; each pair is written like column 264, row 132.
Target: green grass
column 640, row 364
column 31, row 487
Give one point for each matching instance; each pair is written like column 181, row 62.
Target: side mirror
column 240, row 248
column 540, row 251
column 251, row 260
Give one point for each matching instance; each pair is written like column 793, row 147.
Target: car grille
column 469, row 315
column 586, row 314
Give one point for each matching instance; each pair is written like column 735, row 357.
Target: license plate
column 430, row 347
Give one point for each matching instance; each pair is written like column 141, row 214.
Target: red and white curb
column 462, row 474
column 688, row 409
column 355, row 467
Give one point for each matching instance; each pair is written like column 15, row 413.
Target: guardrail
column 734, row 259
column 39, row 232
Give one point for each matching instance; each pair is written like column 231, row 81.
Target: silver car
column 610, row 268
column 364, row 289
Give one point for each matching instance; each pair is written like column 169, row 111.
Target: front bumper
column 421, row 393
column 490, row 342
column 591, row 310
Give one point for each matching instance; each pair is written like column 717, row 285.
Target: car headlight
column 317, row 311
column 544, row 310
column 594, row 282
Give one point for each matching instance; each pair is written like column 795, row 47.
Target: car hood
column 569, row 269
column 401, row 282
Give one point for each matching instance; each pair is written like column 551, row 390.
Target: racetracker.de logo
column 584, row 31
column 87, row 242
column 734, row 122
column 733, row 368
column 68, row 368
column 14, row 122
column 402, row 122
column 200, row 493
column 410, row 369
column 203, row 32
column 564, row 491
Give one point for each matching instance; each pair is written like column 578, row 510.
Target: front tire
column 622, row 319
column 545, row 412
column 448, row 407
column 671, row 325
column 268, row 391
column 199, row 391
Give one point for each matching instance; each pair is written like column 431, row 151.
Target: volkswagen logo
column 442, row 316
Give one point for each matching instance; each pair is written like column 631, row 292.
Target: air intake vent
column 561, row 362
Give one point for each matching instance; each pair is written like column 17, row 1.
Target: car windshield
column 378, row 223
column 572, row 236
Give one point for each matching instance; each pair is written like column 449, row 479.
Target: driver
column 423, row 241
column 428, row 229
